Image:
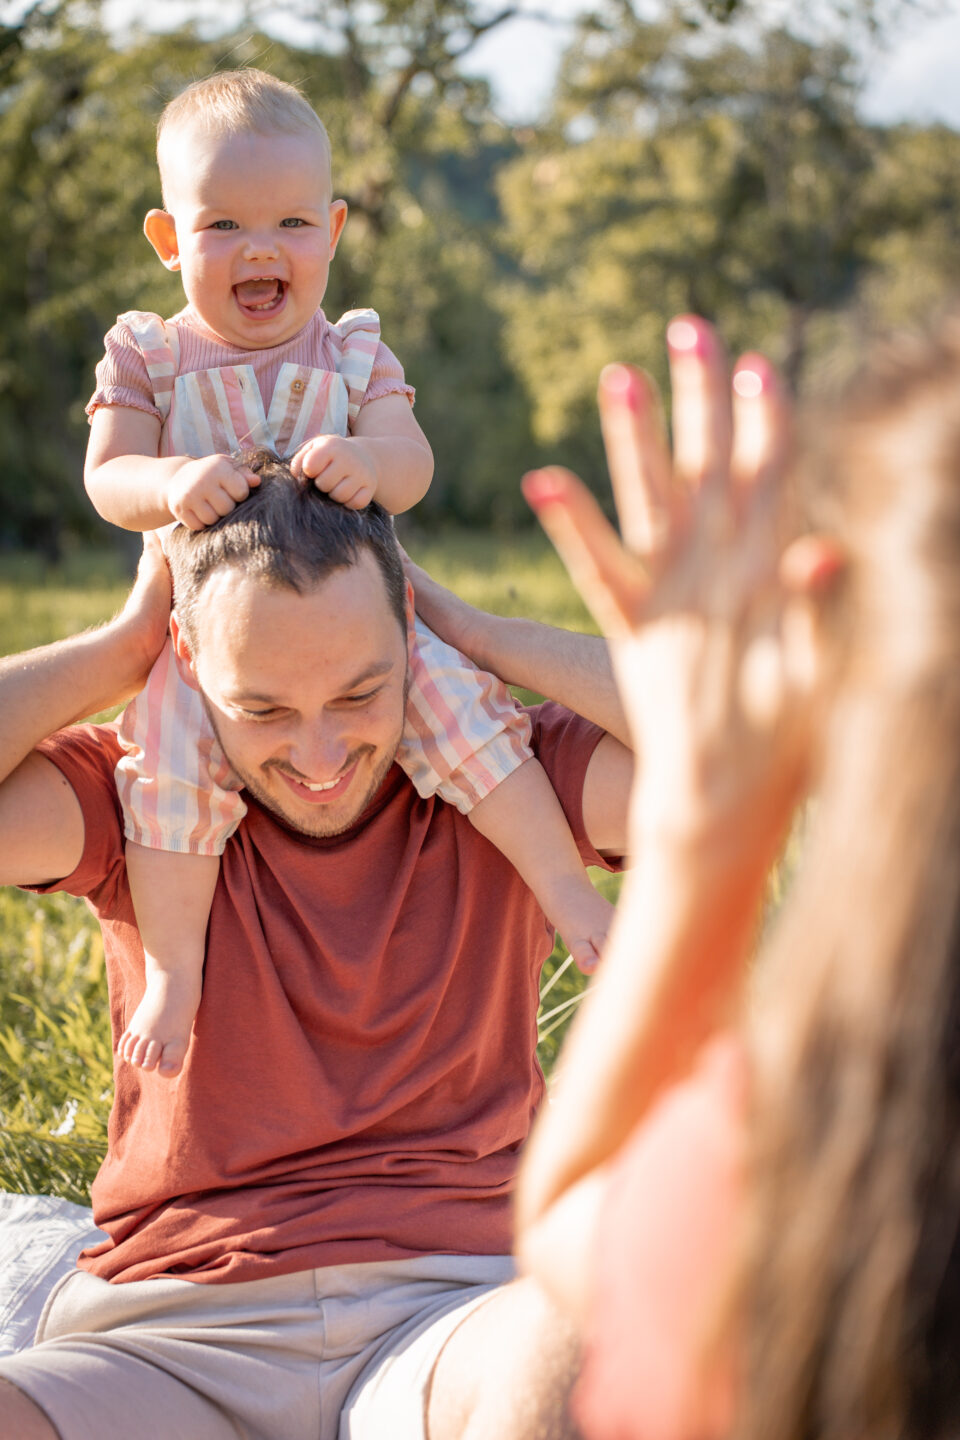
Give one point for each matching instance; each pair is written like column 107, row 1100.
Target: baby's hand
column 339, row 465
column 203, row 490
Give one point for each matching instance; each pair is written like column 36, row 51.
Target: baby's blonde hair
column 232, row 102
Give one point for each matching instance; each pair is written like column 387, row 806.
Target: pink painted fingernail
column 748, row 384
column 622, row 384
column 540, row 487
column 689, row 335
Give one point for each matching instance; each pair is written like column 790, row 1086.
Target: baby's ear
column 161, row 230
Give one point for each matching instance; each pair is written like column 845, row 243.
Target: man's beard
column 323, row 828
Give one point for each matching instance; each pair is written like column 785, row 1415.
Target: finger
column 637, row 455
column 326, row 479
column 237, row 486
column 812, row 565
column 315, row 457
column 613, row 582
column 221, row 502
column 152, row 563
column 205, row 514
column 702, row 422
column 761, row 423
column 761, row 680
column 344, row 490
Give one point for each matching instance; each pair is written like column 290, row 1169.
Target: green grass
column 39, row 604
column 55, row 1062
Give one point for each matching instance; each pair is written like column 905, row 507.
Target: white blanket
column 40, row 1239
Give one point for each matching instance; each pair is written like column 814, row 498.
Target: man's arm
column 570, row 668
column 41, row 825
column 565, row 666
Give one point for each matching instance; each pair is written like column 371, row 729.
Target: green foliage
column 725, row 172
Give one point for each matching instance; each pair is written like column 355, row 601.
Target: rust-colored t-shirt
column 362, row 1073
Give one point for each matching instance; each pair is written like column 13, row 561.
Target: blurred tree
column 727, row 173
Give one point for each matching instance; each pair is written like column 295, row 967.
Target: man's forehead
column 249, row 614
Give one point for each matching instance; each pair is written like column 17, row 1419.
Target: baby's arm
column 133, row 487
column 387, row 458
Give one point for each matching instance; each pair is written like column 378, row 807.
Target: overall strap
column 159, row 345
column 359, row 335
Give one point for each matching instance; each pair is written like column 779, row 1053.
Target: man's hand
column 341, row 466
column 459, row 624
column 43, row 690
column 145, row 617
column 202, row 491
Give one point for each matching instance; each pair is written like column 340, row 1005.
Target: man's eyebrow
column 373, row 671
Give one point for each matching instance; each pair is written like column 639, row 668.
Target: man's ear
column 338, row 218
column 161, row 230
column 180, row 646
column 411, row 613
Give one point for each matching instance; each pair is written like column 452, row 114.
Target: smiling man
column 311, row 725
column 309, row 1229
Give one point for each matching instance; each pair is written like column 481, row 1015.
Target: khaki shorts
column 325, row 1354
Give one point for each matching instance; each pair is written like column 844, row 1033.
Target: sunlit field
column 55, row 1061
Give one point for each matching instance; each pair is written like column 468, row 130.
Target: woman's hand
column 710, row 622
column 707, row 615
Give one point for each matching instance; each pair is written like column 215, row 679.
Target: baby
column 251, row 225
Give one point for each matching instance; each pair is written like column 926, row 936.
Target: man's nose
column 319, row 749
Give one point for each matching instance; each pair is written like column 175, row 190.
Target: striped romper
column 463, row 734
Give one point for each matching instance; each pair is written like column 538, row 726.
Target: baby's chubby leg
column 523, row 818
column 172, row 895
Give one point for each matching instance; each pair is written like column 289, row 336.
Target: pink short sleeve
column 122, row 377
column 386, row 377
column 667, row 1237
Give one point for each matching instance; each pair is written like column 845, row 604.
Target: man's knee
column 20, row 1419
column 506, row 1373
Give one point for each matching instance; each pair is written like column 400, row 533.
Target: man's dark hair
column 289, row 535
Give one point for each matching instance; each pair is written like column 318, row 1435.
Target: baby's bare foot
column 158, row 1033
column 583, row 918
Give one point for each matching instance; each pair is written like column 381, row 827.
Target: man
column 310, row 1228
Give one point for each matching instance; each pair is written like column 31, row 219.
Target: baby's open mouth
column 262, row 294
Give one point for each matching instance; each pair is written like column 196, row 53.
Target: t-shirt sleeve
column 122, row 377
column 655, row 1365
column 564, row 744
column 86, row 756
column 386, row 378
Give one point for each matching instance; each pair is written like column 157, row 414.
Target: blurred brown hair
column 852, row 1278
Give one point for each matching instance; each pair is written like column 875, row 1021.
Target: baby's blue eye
column 224, row 225
column 291, row 223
